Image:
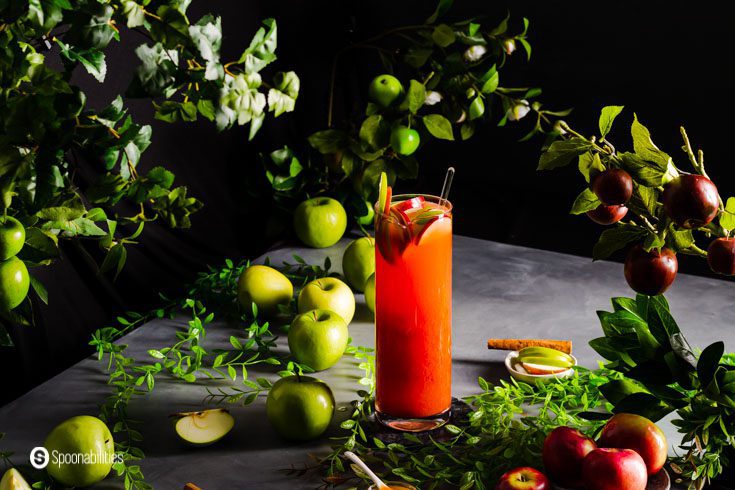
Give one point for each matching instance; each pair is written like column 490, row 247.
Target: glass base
column 414, row 424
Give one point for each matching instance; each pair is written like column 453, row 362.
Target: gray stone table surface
column 499, row 291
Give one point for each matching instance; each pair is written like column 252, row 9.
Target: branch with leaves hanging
column 46, row 126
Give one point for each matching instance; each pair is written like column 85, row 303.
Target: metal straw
column 447, row 185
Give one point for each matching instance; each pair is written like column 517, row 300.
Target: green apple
column 385, row 90
column 369, row 218
column 12, row 237
column 318, row 338
column 205, row 427
column 328, row 293
column 358, row 262
column 14, row 283
column 264, row 286
column 370, row 293
column 79, row 438
column 404, row 140
column 320, row 222
column 300, row 408
column 13, row 480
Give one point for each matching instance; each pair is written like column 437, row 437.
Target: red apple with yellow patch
column 630, row 431
column 564, row 450
column 523, row 478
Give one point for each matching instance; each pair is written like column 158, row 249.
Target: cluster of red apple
column 629, row 449
column 690, row 201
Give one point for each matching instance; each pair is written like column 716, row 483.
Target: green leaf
column 206, row 35
column 328, row 141
column 477, row 108
column 607, row 117
column 679, row 240
column 439, row 126
column 490, row 80
column 415, row 96
column 614, row 239
column 282, row 98
column 708, row 362
column 443, row 35
column 641, row 170
column 417, row 57
column 92, row 59
column 375, row 132
column 173, row 28
column 171, row 111
column 643, row 404
column 562, row 152
column 727, row 218
column 646, row 149
column 40, row 247
column 39, row 288
column 585, row 201
column 590, row 165
column 644, row 200
column 261, row 51
column 441, row 8
column 618, row 389
column 134, row 13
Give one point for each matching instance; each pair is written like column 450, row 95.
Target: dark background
column 666, row 60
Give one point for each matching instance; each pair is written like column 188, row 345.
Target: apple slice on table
column 205, row 427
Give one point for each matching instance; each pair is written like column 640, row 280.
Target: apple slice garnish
column 423, row 229
column 413, row 203
column 392, row 235
column 204, row 427
column 532, row 368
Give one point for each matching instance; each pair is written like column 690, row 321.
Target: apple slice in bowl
column 534, row 372
column 204, row 427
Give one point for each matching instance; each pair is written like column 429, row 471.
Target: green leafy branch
column 505, row 429
column 46, row 126
column 651, row 169
column 663, row 375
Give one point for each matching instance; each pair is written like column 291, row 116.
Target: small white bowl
column 511, row 360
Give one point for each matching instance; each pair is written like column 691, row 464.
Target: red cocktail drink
column 413, row 312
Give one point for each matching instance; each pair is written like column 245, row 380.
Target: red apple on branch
column 607, row 215
column 630, row 431
column 691, row 201
column 564, row 450
column 650, row 272
column 613, row 186
column 523, row 478
column 614, row 469
column 721, row 256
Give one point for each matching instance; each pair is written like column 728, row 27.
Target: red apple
column 607, row 215
column 651, row 272
column 691, row 201
column 563, row 452
column 523, row 478
column 721, row 256
column 614, row 469
column 613, row 186
column 630, row 431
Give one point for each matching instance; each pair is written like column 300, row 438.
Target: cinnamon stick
column 518, row 344
column 191, row 486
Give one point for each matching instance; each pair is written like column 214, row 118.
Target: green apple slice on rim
column 384, row 194
column 205, row 427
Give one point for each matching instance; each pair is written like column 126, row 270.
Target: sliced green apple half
column 205, row 427
column 13, row 480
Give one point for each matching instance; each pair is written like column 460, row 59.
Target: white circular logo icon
column 39, row 457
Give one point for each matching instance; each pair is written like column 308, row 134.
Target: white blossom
column 474, row 53
column 433, row 97
column 519, row 110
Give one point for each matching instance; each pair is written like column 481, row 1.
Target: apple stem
column 365, row 469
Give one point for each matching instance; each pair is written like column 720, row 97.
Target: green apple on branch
column 318, row 338
column 328, row 293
